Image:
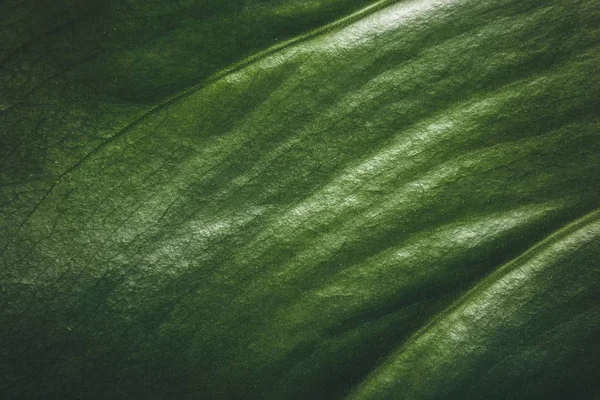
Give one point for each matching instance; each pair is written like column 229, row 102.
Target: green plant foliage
column 340, row 199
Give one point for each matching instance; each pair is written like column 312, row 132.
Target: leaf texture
column 396, row 202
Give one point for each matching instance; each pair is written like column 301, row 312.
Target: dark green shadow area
column 144, row 51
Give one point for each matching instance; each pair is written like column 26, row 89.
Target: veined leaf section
column 336, row 219
column 496, row 341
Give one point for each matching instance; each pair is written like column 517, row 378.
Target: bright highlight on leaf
column 341, row 199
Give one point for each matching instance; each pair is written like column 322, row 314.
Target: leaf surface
column 399, row 201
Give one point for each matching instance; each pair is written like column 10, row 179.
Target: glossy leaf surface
column 300, row 200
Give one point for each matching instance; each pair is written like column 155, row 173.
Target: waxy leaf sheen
column 339, row 199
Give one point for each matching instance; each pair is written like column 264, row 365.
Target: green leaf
column 299, row 199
